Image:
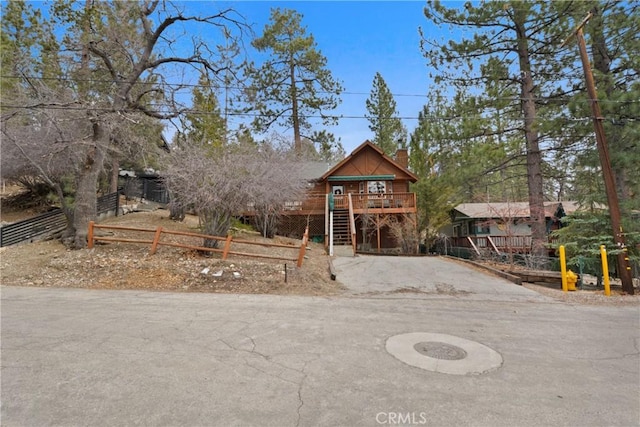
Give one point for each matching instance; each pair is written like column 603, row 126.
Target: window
column 376, row 187
column 481, row 227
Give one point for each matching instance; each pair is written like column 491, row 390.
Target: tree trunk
column 115, row 172
column 86, row 197
column 294, row 109
column 214, row 223
column 534, row 157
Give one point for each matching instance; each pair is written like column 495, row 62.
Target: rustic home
column 500, row 227
column 354, row 202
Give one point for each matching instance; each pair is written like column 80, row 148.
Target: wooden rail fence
column 225, row 251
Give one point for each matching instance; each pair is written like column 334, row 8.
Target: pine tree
column 505, row 33
column 27, row 45
column 389, row 132
column 293, row 83
column 206, row 124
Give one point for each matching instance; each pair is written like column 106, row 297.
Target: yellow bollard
column 605, row 271
column 572, row 279
column 563, row 269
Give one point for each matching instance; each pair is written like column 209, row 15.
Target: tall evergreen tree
column 206, row 124
column 27, row 45
column 329, row 148
column 436, row 191
column 505, row 33
column 389, row 132
column 293, row 83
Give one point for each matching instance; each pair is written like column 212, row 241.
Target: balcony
column 362, row 203
column 384, row 203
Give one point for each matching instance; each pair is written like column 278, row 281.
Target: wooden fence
column 158, row 232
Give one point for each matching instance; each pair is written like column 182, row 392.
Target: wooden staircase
column 341, row 228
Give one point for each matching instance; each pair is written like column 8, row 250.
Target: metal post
column 563, row 269
column 605, row 271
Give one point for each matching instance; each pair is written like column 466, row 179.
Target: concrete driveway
column 113, row 358
column 425, row 277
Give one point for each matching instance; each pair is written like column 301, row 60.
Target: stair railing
column 326, row 221
column 352, row 225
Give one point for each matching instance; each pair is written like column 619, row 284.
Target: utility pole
column 624, row 268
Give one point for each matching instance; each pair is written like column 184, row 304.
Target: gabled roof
column 511, row 209
column 361, row 147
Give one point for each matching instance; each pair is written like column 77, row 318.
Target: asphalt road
column 113, row 358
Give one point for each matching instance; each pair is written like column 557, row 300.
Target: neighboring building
column 500, row 227
column 147, row 185
column 366, row 190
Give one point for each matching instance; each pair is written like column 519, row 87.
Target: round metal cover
column 440, row 350
column 443, row 353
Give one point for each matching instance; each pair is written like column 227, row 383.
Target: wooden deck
column 388, row 203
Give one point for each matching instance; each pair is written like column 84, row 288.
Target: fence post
column 227, row 247
column 303, row 247
column 156, row 240
column 90, row 235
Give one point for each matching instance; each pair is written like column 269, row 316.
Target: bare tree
column 224, row 182
column 46, row 141
column 42, row 145
column 404, row 230
column 277, row 179
column 121, row 63
column 212, row 184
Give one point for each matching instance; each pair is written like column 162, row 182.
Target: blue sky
column 360, row 38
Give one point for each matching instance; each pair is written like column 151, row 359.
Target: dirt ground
column 116, row 265
column 111, row 265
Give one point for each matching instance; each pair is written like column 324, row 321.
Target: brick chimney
column 402, row 157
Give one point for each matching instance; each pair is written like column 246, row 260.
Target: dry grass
column 129, row 265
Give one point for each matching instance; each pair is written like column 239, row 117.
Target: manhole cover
column 446, row 354
column 440, row 350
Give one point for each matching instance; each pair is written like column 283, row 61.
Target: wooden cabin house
column 352, row 203
column 500, row 227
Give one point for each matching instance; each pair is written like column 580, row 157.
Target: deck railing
column 501, row 243
column 361, row 202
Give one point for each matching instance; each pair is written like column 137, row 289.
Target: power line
column 239, row 88
column 311, row 116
